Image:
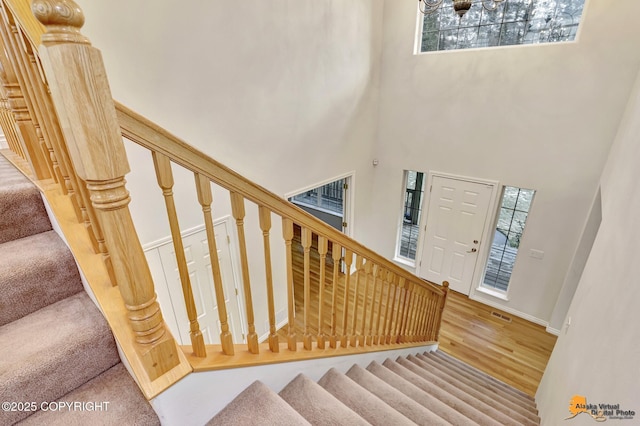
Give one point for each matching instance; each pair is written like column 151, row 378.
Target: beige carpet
column 55, row 345
column 406, row 391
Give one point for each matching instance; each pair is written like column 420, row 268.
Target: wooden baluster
column 287, row 234
column 376, row 277
column 411, row 312
column 406, row 312
column 348, row 260
column 265, row 225
column 306, row 246
column 322, row 251
column 165, row 181
column 354, row 322
column 402, row 294
column 13, row 66
column 85, row 109
column 367, row 272
column 8, row 124
column 445, row 289
column 384, row 337
column 336, row 254
column 424, row 325
column 421, row 315
column 433, row 314
column 392, row 310
column 205, row 198
column 238, row 212
column 416, row 311
column 382, row 275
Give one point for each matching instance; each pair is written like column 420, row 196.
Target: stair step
column 258, row 405
column 126, row 404
column 484, row 377
column 453, row 400
column 368, row 406
column 477, row 379
column 403, row 392
column 311, row 400
column 492, row 398
column 52, row 351
column 394, row 398
column 22, row 211
column 35, row 271
column 420, row 396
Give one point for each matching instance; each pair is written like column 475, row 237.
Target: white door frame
column 485, row 246
column 162, row 286
column 347, row 214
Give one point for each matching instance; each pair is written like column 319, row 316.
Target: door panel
column 199, row 265
column 456, row 218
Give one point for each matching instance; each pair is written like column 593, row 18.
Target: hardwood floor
column 515, row 352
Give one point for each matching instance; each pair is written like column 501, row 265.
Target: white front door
column 199, row 263
column 455, row 230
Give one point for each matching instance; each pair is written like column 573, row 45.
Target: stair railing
column 70, row 130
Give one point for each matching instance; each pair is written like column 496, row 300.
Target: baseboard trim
column 512, row 311
column 553, row 331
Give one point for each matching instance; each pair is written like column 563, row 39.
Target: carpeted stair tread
column 258, row 405
column 35, row 271
column 311, row 400
column 501, row 414
column 484, row 376
column 489, row 396
column 52, row 351
column 368, row 406
column 126, row 404
column 476, row 379
column 22, row 211
column 394, row 398
column 467, row 408
column 420, row 396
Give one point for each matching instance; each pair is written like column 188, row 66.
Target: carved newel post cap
column 63, row 20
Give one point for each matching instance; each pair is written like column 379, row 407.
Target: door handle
column 473, row 250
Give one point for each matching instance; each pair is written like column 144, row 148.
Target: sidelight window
column 514, row 210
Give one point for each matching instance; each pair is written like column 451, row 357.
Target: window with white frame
column 512, row 22
column 514, row 209
column 411, row 212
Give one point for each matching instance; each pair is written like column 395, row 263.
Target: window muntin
column 411, row 213
column 328, row 198
column 512, row 218
column 513, row 22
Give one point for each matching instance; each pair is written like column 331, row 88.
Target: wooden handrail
column 80, row 147
column 142, row 131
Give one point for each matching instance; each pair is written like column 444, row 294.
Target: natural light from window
column 513, row 22
column 411, row 212
column 512, row 218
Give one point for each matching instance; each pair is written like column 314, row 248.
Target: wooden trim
column 106, row 295
column 216, row 360
column 153, row 137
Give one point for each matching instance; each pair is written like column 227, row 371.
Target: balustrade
column 361, row 299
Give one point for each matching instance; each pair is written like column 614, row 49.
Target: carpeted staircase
column 55, row 345
column 429, row 389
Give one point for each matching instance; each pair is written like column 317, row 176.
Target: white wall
column 540, row 117
column 284, row 92
column 580, row 257
column 597, row 356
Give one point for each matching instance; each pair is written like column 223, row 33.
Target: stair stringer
column 198, row 397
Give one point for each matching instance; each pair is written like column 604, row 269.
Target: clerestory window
column 512, row 22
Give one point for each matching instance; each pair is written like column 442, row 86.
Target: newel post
column 85, row 109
